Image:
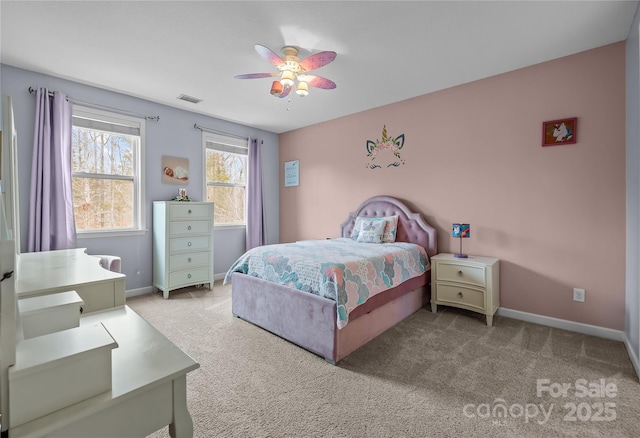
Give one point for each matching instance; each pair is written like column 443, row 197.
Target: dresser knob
column 189, row 260
column 460, row 295
column 188, row 275
column 189, row 228
column 189, row 244
column 460, row 274
column 189, row 211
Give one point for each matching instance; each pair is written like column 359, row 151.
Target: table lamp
column 462, row 231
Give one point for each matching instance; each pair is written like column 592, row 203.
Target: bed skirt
column 309, row 321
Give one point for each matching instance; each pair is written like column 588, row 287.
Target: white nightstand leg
column 434, row 307
column 489, row 320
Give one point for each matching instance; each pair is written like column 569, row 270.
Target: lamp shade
column 276, row 88
column 461, row 230
column 287, row 78
column 302, row 89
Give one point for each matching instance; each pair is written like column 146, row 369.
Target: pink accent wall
column 555, row 216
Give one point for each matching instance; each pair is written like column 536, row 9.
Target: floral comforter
column 340, row 269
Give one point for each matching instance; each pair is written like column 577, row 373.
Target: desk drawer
column 189, row 244
column 460, row 295
column 189, row 227
column 187, row 211
column 188, row 277
column 461, row 274
column 179, row 261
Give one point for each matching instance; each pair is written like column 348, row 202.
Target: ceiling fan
column 292, row 71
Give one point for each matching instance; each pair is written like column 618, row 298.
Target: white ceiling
column 388, row 51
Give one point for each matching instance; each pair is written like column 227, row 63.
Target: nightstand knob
column 189, row 260
column 189, row 211
column 189, row 243
column 460, row 295
column 189, row 228
column 189, row 276
column 460, row 274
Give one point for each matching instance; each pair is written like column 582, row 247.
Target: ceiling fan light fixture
column 276, row 88
column 302, row 89
column 287, row 78
column 293, row 72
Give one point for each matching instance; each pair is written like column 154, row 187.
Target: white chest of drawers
column 470, row 283
column 182, row 244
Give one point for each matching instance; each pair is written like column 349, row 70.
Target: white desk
column 149, row 387
column 42, row 273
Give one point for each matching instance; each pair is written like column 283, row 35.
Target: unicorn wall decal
column 392, row 144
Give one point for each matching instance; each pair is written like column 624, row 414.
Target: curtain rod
column 97, row 106
column 215, row 131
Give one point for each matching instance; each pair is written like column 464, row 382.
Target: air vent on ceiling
column 189, row 98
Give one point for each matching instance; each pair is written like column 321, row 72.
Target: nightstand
column 471, row 283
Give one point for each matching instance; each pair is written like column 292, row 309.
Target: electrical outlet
column 578, row 294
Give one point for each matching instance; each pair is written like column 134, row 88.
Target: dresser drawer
column 460, row 295
column 189, row 211
column 461, row 274
column 180, row 261
column 189, row 276
column 189, row 227
column 189, row 243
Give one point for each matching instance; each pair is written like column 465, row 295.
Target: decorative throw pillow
column 371, row 231
column 358, row 225
column 390, row 229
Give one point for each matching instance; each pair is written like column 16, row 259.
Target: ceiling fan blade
column 255, row 75
column 317, row 60
column 317, row 81
column 269, row 55
column 285, row 92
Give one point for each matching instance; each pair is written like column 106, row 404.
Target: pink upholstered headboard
column 411, row 226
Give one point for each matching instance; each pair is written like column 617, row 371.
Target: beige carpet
column 444, row 375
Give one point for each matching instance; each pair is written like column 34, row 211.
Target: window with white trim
column 107, row 174
column 225, row 168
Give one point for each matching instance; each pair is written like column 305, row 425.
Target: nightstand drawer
column 180, row 261
column 461, row 274
column 461, row 295
column 189, row 227
column 189, row 243
column 187, row 211
column 189, row 276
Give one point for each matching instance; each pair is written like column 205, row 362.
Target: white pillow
column 371, row 231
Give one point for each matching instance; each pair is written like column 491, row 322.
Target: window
column 225, row 161
column 106, row 156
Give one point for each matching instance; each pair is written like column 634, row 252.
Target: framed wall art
column 559, row 132
column 292, row 173
column 175, row 170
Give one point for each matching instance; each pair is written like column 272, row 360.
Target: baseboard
column 587, row 329
column 632, row 356
column 139, row 291
column 151, row 289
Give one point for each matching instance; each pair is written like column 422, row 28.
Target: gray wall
column 632, row 304
column 174, row 135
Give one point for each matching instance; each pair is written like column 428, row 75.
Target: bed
column 322, row 323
